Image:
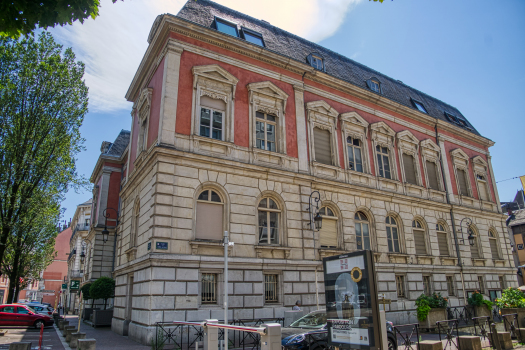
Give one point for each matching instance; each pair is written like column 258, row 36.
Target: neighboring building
column 53, row 276
column 516, row 230
column 4, row 288
column 235, row 123
column 80, row 224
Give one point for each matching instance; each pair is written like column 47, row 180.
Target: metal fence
column 185, row 336
column 407, row 336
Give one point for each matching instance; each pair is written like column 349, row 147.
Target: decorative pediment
column 219, row 77
column 267, row 88
column 143, row 103
column 354, row 118
column 382, row 128
column 458, row 153
column 322, row 107
column 480, row 165
column 407, row 136
column 429, row 144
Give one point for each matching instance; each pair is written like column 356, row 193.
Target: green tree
column 23, row 17
column 103, row 288
column 43, row 101
column 85, row 291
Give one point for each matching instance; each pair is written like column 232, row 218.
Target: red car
column 21, row 315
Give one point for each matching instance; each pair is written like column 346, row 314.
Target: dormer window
column 374, row 85
column 456, row 120
column 226, row 27
column 316, row 61
column 419, row 106
column 252, row 36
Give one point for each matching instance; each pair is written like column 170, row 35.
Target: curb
column 61, row 337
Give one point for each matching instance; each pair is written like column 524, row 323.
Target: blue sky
column 469, row 54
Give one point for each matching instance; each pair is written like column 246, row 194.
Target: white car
column 41, row 309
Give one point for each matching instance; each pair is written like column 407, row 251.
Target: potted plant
column 102, row 288
column 482, row 307
column 512, row 301
column 431, row 309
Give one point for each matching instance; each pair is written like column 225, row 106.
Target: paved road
column 51, row 341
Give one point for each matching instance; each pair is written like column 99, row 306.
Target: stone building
column 235, row 123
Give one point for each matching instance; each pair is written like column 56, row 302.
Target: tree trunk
column 17, row 292
column 13, row 280
column 105, row 301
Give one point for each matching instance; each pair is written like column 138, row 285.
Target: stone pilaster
column 300, row 121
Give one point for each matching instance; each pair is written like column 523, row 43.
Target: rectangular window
column 374, row 85
column 450, row 285
column 442, row 243
column 481, row 285
column 253, row 37
column 226, row 27
column 328, row 233
column 209, row 221
column 462, row 182
column 494, row 294
column 426, row 285
column 419, row 241
column 323, row 147
column 265, row 127
column 400, row 286
column 482, row 185
column 355, row 161
column 209, row 288
column 383, row 162
column 410, row 169
column 494, row 248
column 474, row 251
column 211, row 123
column 270, row 289
column 317, row 63
column 432, row 175
column 142, row 135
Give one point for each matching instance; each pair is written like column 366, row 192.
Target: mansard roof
column 117, row 148
column 203, row 12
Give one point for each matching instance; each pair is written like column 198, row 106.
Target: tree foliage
column 43, row 101
column 511, row 298
column 102, row 288
column 23, row 17
column 85, row 291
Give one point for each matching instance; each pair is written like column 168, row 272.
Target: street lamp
column 105, row 232
column 470, row 236
column 83, row 253
column 316, row 221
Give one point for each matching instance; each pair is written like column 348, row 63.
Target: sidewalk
column 106, row 339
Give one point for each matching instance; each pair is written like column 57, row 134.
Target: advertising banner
column 351, row 301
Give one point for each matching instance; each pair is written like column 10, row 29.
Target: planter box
column 481, row 311
column 102, row 317
column 519, row 311
column 434, row 315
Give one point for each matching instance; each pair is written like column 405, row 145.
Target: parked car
column 310, row 332
column 41, row 309
column 22, row 316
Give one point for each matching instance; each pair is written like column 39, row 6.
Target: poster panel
column 351, row 301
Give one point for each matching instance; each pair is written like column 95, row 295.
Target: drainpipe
column 452, row 219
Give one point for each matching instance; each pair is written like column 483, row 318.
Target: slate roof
column 118, row 147
column 519, row 218
column 89, row 201
column 203, row 12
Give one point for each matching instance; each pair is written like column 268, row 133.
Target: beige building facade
column 231, row 134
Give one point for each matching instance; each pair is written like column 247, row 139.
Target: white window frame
column 460, row 160
column 321, row 115
column 399, row 238
column 409, row 144
column 356, row 127
column 384, row 136
column 217, row 83
column 265, row 97
column 480, row 167
column 374, row 83
column 280, row 228
column 430, row 152
column 337, row 218
column 362, row 222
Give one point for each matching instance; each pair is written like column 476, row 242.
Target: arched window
column 493, row 239
column 209, row 218
column 474, row 249
column 268, row 217
column 392, row 235
column 442, row 240
column 328, row 232
column 354, row 147
column 135, row 228
column 419, row 237
column 362, row 231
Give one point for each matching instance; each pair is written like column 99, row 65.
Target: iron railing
column 447, row 328
column 408, row 334
column 79, row 227
column 463, row 314
column 512, row 325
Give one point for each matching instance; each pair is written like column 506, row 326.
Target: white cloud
column 113, row 44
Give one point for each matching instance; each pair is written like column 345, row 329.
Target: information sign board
column 351, row 301
column 64, row 285
column 75, row 285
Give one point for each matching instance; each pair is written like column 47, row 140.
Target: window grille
column 426, row 285
column 400, row 286
column 450, row 286
column 209, row 288
column 270, row 289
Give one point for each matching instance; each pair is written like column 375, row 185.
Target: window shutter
column 494, row 248
column 432, row 176
column 462, row 180
column 323, row 149
column 483, row 194
column 410, row 170
column 213, row 103
column 209, row 221
column 442, row 244
column 474, row 251
column 419, row 240
column 328, row 233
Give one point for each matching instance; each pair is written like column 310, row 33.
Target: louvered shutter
column 494, row 248
column 419, row 240
column 410, row 170
column 432, row 176
column 483, row 194
column 462, row 179
column 213, row 103
column 209, row 221
column 323, row 149
column 328, row 233
column 474, row 251
column 442, row 243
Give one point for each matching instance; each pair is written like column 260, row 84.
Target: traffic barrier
column 87, row 344
column 73, row 344
column 23, row 345
column 468, row 342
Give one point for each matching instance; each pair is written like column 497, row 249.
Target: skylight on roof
column 226, row 27
column 252, row 36
column 456, row 120
column 419, row 106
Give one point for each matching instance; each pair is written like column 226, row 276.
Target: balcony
column 72, row 254
column 79, row 227
column 76, row 274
